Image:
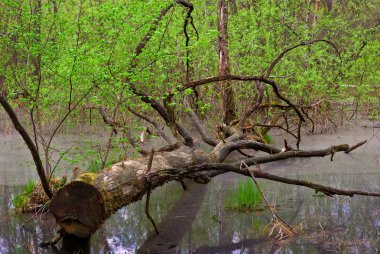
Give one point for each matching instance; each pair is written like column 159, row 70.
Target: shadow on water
column 196, row 221
column 176, row 223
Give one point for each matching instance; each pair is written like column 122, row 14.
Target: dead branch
column 150, row 161
column 281, row 106
column 281, row 55
column 147, row 212
column 299, row 134
column 296, row 153
column 189, row 18
column 115, row 124
column 330, row 191
column 270, row 126
column 154, row 123
column 275, row 217
column 221, row 168
column 194, row 118
column 272, row 83
column 245, row 144
column 356, row 146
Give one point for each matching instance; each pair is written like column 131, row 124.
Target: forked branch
column 282, row 54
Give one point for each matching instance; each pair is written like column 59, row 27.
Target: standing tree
column 225, row 86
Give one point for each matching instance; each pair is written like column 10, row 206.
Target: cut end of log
column 78, row 208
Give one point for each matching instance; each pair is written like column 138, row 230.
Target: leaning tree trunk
column 82, row 206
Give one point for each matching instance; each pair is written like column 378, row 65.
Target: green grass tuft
column 267, row 138
column 29, row 187
column 244, row 197
column 20, row 200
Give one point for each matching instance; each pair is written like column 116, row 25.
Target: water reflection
column 329, row 225
column 337, row 224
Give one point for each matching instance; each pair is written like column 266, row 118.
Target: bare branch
column 281, row 106
column 188, row 18
column 245, row 144
column 194, row 118
column 68, row 113
column 294, row 154
column 270, row 126
column 282, row 54
column 330, row 191
column 259, row 100
column 272, row 83
column 154, row 123
column 356, row 146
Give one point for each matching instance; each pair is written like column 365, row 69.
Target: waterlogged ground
column 197, row 221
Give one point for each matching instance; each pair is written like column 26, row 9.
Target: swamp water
column 196, row 221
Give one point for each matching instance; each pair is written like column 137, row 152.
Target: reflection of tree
column 17, row 239
column 177, row 222
column 129, row 227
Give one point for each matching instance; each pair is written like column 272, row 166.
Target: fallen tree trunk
column 83, row 205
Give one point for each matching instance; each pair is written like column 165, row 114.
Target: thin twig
column 147, row 211
column 274, row 214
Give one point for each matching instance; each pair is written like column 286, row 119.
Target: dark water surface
column 197, row 222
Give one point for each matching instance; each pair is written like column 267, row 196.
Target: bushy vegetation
column 33, row 198
column 88, row 50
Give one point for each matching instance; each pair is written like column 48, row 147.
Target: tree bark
column 330, row 4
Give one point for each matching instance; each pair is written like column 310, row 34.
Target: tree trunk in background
column 317, row 6
column 228, row 100
column 329, row 5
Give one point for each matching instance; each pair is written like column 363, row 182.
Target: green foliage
column 95, row 43
column 245, row 197
column 96, row 165
column 19, row 201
